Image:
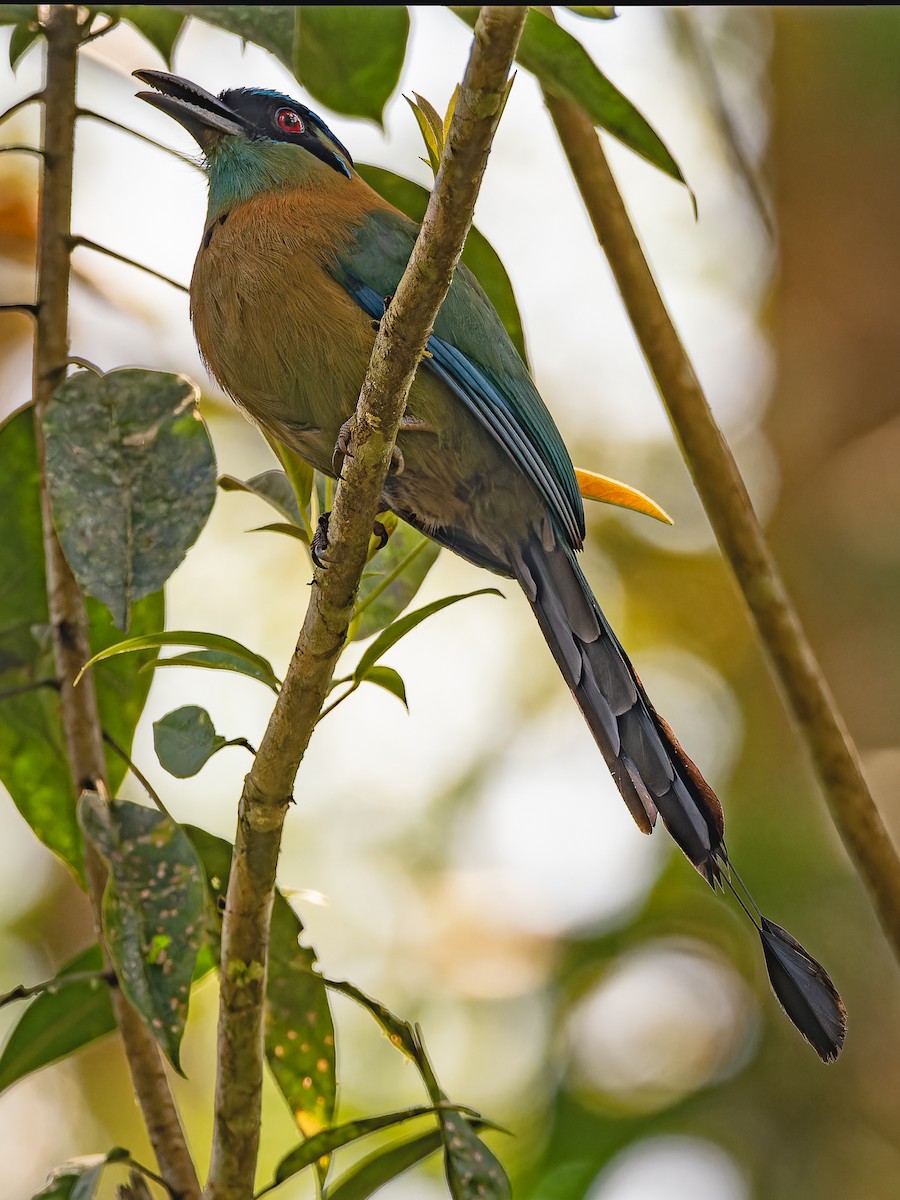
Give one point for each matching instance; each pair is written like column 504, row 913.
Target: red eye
column 288, row 121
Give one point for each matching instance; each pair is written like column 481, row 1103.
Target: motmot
column 297, row 261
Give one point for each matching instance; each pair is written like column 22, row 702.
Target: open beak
column 203, row 115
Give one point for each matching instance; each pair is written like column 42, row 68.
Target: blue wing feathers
column 473, row 355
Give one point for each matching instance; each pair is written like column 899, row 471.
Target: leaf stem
column 21, row 148
column 20, row 104
column 399, row 345
column 76, row 240
column 142, row 137
column 389, row 579
column 137, row 773
column 736, row 526
column 340, row 700
column 29, row 310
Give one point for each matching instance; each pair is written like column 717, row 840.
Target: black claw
column 379, row 531
column 318, row 547
column 341, row 448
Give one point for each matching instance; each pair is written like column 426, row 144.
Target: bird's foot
column 409, row 424
column 342, row 447
column 318, row 547
column 397, row 464
column 376, row 325
column 379, row 531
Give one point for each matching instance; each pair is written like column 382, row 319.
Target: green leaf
column 159, row 25
column 268, row 25
column 131, row 474
column 12, row 14
column 350, row 56
column 394, row 632
column 185, row 740
column 399, row 1032
column 58, row 1186
column 73, row 1181
column 154, row 910
column 221, row 660
column 329, row 1140
column 59, row 1021
column 299, row 472
column 78, row 1178
column 272, row 486
column 431, row 128
column 563, row 65
column 371, row 1173
column 390, row 680
column 565, row 68
column 598, row 12
column 23, row 36
column 478, row 255
column 225, row 649
column 33, row 761
column 299, row 1036
column 473, row 1172
column 391, row 579
column 293, row 531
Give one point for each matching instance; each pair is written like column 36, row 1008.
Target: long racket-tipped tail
column 656, row 777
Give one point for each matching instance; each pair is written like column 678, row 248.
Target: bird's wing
column 472, row 353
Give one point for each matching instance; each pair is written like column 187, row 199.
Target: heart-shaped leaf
column 132, row 479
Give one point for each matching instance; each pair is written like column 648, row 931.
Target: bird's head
column 252, row 139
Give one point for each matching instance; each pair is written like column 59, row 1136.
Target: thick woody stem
column 737, row 529
column 68, row 617
column 398, row 349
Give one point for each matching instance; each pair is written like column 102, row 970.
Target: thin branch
column 398, row 348
column 737, row 529
column 20, row 148
column 75, row 360
column 30, row 310
column 26, row 991
column 68, row 619
column 142, row 137
column 20, row 104
column 76, row 240
column 98, row 33
column 23, row 689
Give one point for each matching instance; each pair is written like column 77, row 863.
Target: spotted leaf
column 154, row 910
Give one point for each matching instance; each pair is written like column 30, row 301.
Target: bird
column 298, row 260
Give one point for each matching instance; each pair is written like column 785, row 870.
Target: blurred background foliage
column 471, row 864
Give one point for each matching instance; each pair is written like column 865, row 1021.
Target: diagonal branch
column 68, row 618
column 398, row 348
column 737, row 529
